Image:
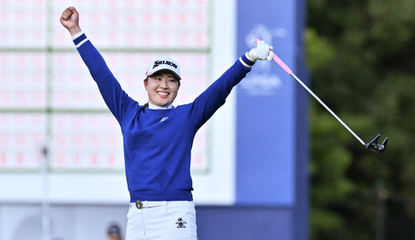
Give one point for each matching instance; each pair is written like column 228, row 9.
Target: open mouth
column 163, row 94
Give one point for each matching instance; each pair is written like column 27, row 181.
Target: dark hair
column 114, row 229
column 145, row 105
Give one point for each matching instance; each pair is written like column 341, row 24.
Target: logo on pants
column 180, row 223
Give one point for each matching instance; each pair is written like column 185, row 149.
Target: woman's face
column 162, row 88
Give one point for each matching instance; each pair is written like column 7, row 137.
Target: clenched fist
column 70, row 20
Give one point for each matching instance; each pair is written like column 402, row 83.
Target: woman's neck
column 157, row 107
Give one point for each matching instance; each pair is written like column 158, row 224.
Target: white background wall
column 83, row 205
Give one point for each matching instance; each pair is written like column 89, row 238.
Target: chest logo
column 164, row 119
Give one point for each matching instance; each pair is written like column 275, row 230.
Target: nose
column 163, row 84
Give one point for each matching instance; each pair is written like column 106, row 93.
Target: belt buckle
column 139, row 204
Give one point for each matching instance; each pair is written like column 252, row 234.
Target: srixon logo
column 158, row 63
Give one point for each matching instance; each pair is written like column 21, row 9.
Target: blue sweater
column 157, row 153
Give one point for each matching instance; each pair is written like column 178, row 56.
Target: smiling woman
column 158, row 140
column 162, row 87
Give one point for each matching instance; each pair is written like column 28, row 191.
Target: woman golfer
column 158, row 137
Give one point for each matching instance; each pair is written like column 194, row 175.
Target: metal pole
column 45, row 198
column 45, row 149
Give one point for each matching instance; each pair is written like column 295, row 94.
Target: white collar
column 157, row 107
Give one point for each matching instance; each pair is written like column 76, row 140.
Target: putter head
column 374, row 146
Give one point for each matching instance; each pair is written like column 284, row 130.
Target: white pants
column 164, row 220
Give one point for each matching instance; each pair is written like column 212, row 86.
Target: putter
column 373, row 145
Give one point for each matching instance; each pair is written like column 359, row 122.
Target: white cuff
column 77, row 35
column 243, row 63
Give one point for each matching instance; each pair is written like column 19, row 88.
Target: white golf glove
column 262, row 51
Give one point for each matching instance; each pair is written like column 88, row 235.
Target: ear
column 145, row 83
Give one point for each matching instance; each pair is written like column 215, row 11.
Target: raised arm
column 206, row 104
column 114, row 96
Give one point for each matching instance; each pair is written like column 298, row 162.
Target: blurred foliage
column 361, row 58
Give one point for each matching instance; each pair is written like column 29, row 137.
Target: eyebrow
column 159, row 75
column 163, row 73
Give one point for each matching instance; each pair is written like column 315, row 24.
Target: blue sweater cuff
column 79, row 39
column 245, row 61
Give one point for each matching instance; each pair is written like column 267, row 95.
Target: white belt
column 148, row 204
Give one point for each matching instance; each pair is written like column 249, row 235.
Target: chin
column 163, row 104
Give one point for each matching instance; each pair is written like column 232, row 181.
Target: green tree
column 361, row 56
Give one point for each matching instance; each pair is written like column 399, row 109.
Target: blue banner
column 266, row 107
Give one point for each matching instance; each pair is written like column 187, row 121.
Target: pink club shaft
column 289, row 71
